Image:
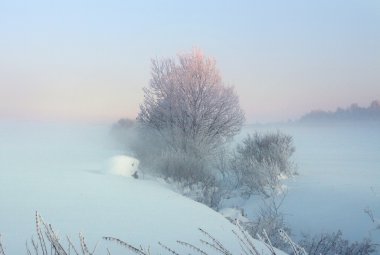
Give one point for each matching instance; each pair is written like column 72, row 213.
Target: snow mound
column 123, row 165
column 234, row 214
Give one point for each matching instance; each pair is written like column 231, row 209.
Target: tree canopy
column 187, row 102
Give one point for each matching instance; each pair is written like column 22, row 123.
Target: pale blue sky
column 88, row 60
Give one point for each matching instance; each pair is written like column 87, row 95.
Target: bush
column 270, row 220
column 184, row 167
column 262, row 161
column 334, row 243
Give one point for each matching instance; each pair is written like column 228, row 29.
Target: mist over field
column 65, row 172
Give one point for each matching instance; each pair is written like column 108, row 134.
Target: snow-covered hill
column 64, row 176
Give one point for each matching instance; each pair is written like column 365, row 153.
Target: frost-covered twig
column 269, row 242
column 126, row 245
column 216, row 243
column 1, row 247
column 168, row 249
column 245, row 241
column 374, row 220
column 266, row 241
column 35, row 245
column 297, row 249
column 27, row 249
column 40, row 235
column 212, row 246
column 193, row 247
column 71, row 245
column 83, row 245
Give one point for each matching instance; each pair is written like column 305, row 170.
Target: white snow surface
column 63, row 172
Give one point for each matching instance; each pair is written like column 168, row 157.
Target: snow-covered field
column 75, row 178
column 77, row 181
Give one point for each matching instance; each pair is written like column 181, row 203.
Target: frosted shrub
column 184, row 167
column 334, row 243
column 270, row 219
column 193, row 176
column 261, row 161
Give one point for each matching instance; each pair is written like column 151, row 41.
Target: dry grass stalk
column 126, row 245
column 1, row 247
column 71, row 245
column 245, row 241
column 168, row 249
column 193, row 247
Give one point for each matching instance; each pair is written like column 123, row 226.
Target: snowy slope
column 64, row 174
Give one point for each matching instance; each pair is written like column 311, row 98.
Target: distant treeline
column 352, row 113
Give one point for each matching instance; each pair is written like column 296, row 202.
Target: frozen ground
column 76, row 181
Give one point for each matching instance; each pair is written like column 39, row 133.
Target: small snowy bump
column 234, row 214
column 123, row 165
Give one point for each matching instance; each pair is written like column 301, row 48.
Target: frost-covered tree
column 186, row 116
column 188, row 104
